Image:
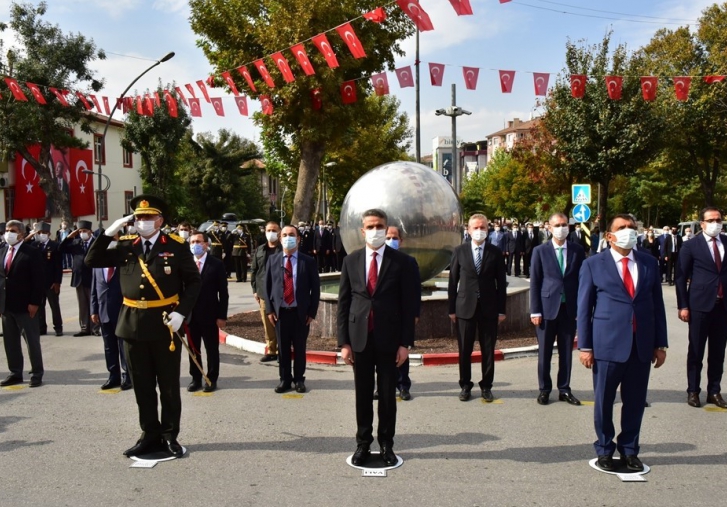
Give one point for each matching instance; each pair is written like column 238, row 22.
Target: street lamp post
column 100, row 174
column 453, row 112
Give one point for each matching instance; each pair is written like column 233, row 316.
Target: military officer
column 158, row 276
column 216, row 247
column 240, row 247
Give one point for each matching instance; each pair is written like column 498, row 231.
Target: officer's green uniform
column 216, row 247
column 146, row 338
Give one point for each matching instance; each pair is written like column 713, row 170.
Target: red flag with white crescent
column 83, row 100
column 157, row 100
column 507, row 78
column 378, row 15
column 381, row 83
column 37, row 94
column 210, row 81
column 681, row 87
column 405, row 77
column 420, row 18
column 194, row 107
column 713, row 79
column 29, row 197
column 190, row 88
column 139, row 106
column 299, row 52
column 181, row 96
column 462, row 7
column 248, row 78
column 203, row 87
column 217, row 104
column 148, row 105
column 648, row 87
column 348, row 92
column 263, row 70
column 231, row 83
column 349, row 37
column 15, row 88
column 81, row 184
column 96, row 103
column 578, row 85
column 60, row 95
column 283, row 66
column 540, row 81
column 241, row 102
column 267, row 104
column 470, row 77
column 321, row 42
column 614, row 84
column 436, row 73
column 171, row 104
column 106, row 105
column 316, row 100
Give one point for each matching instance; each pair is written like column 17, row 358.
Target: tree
column 49, row 58
column 238, row 31
column 508, row 191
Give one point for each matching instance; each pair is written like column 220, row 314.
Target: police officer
column 158, row 276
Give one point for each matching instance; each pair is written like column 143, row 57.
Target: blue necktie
column 478, row 259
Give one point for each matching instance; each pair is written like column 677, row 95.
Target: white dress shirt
column 379, row 259
column 720, row 246
column 632, row 266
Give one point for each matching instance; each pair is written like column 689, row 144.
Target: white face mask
column 479, row 235
column 713, row 229
column 560, row 233
column 272, row 236
column 375, row 237
column 131, row 229
column 184, row 234
column 85, row 236
column 42, row 238
column 11, row 238
column 625, row 238
column 145, row 227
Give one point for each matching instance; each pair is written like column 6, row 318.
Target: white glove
column 117, row 226
column 174, row 320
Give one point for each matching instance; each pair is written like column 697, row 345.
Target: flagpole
column 417, row 128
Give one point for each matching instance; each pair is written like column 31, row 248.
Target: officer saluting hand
column 157, row 275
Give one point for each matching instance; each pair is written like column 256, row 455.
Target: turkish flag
column 381, row 83
column 267, row 104
column 348, row 92
column 507, row 78
column 210, row 81
column 85, row 102
column 181, row 96
column 128, row 104
column 436, row 73
column 171, row 104
column 505, row 1
column 81, row 185
column 470, row 77
column 139, row 106
column 60, row 95
column 315, row 96
column 106, row 105
column 283, row 66
column 190, row 88
column 299, row 52
column 217, row 104
column 29, row 197
column 648, row 87
column 263, row 70
column 321, row 42
column 578, row 85
column 202, row 87
column 377, row 15
column 195, row 108
column 231, row 83
column 35, row 90
column 462, row 7
column 241, row 102
column 157, row 100
column 96, row 103
column 713, row 79
column 246, row 74
column 540, row 80
column 681, row 87
column 15, row 88
column 349, row 37
column 613, row 86
column 148, row 106
column 420, row 18
column 405, row 77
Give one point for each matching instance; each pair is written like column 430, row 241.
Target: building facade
column 508, row 137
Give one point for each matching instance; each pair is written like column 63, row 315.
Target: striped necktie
column 478, row 259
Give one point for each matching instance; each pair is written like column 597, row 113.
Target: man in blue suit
column 554, row 305
column 701, row 303
column 621, row 330
column 292, row 293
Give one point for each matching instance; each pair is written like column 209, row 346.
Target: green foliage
column 508, row 190
column 473, row 194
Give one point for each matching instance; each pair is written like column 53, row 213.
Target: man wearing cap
column 215, row 241
column 159, row 283
column 77, row 244
column 240, row 248
column 53, row 270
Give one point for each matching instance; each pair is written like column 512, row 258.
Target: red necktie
column 110, row 274
column 718, row 262
column 628, row 283
column 9, row 261
column 288, row 295
column 371, row 286
column 199, row 266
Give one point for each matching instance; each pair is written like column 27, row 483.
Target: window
column 272, row 185
column 128, row 157
column 99, row 149
column 9, row 202
column 102, row 206
column 128, row 196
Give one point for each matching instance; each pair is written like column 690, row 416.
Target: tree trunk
column 603, row 203
column 311, row 154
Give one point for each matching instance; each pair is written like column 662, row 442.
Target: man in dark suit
column 670, row 249
column 77, row 244
column 209, row 314
column 376, row 312
column 106, row 301
column 701, row 283
column 515, row 248
column 53, row 270
column 477, row 294
column 241, row 244
column 292, row 293
column 621, row 331
column 322, row 247
column 554, row 306
column 531, row 241
column 579, row 236
column 338, row 247
column 22, row 286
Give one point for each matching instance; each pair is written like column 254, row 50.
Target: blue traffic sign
column 581, row 194
column 581, row 213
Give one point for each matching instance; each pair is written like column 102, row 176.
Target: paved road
column 61, row 444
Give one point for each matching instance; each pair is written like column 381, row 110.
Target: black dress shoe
column 606, row 463
column 82, row 333
column 465, row 394
column 126, row 385
column 194, row 386
column 210, row 388
column 111, row 384
column 487, row 395
column 59, row 332
column 174, row 448
column 716, row 399
column 376, row 395
column 362, row 455
column 43, row 332
column 387, row 454
column 35, row 382
column 11, row 380
column 145, row 446
column 405, row 395
column 543, row 398
column 693, row 400
column 283, row 387
column 633, row 463
column 299, row 387
column 569, row 398
column 268, row 358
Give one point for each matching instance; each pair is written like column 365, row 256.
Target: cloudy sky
column 524, row 35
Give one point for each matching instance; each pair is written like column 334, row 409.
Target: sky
column 523, row 35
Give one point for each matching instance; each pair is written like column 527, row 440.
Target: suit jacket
column 323, row 241
column 697, row 277
column 515, row 241
column 213, row 296
column 606, row 310
column 529, row 244
column 574, row 238
column 307, row 285
column 81, row 274
column 393, row 302
column 547, row 283
column 52, row 262
column 496, row 239
column 106, row 299
column 667, row 245
column 257, row 269
column 465, row 283
column 24, row 284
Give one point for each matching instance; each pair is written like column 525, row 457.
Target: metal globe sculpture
column 415, row 198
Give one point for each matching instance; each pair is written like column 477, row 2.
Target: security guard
column 216, row 247
column 158, row 276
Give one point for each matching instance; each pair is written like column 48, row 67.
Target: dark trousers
column 322, row 261
column 707, row 328
column 151, row 363
column 671, row 266
column 339, row 259
column 289, row 330
column 404, row 380
column 331, row 262
column 240, row 267
column 83, row 294
column 114, row 351
column 633, row 377
column 526, row 263
column 485, row 331
column 563, row 328
column 209, row 333
column 52, row 298
column 15, row 325
column 375, row 370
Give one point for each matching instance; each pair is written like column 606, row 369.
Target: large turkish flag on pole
column 81, row 186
